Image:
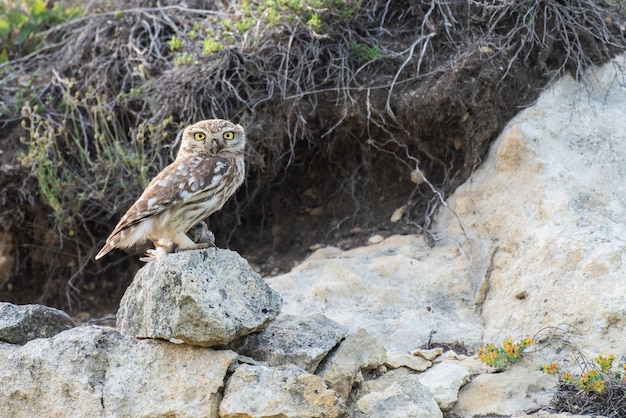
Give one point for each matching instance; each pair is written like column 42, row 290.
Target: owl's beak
column 215, row 146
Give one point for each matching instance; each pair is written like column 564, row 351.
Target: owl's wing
column 178, row 182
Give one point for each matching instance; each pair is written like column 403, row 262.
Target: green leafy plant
column 193, row 32
column 245, row 24
column 364, row 53
column 210, row 45
column 314, row 22
column 501, row 357
column 184, row 58
column 72, row 171
column 175, row 43
column 23, row 21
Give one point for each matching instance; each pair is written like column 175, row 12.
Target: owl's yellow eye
column 199, row 136
column 228, row 135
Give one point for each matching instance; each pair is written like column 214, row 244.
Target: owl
column 208, row 168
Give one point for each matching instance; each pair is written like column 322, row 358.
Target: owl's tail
column 105, row 250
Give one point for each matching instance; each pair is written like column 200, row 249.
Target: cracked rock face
column 302, row 341
column 204, row 297
column 401, row 291
column 545, row 215
column 285, row 391
column 92, row 372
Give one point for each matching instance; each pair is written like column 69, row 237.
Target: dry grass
column 341, row 102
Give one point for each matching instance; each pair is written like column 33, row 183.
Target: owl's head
column 212, row 137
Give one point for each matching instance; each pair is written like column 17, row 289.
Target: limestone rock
column 205, row 297
column 401, row 291
column 302, row 341
column 472, row 364
column 444, row 381
column 543, row 215
column 429, row 355
column 360, row 351
column 375, row 239
column 395, row 360
column 22, row 323
column 93, row 372
column 286, row 391
column 517, row 389
column 396, row 394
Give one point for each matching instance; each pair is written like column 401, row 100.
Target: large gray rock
column 93, row 372
column 204, row 297
column 287, row 391
column 22, row 323
column 396, row 394
column 358, row 352
column 520, row 388
column 302, row 341
column 444, row 381
column 401, row 291
column 542, row 219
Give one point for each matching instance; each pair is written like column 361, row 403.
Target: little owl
column 208, row 168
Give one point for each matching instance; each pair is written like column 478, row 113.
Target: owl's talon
column 151, row 255
column 154, row 254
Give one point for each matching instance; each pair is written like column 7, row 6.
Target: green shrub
column 23, row 21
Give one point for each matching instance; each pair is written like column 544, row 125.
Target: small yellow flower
column 605, row 363
column 550, row 368
column 598, row 386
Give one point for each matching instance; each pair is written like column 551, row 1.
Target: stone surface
column 429, row 355
column 396, row 394
column 22, row 323
column 395, row 360
column 300, row 340
column 543, row 217
column 92, row 372
column 286, row 391
column 360, row 351
column 520, row 388
column 444, row 381
column 400, row 290
column 204, row 297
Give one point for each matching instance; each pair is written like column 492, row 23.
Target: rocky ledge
column 199, row 334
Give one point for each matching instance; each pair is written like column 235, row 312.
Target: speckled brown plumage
column 208, row 168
